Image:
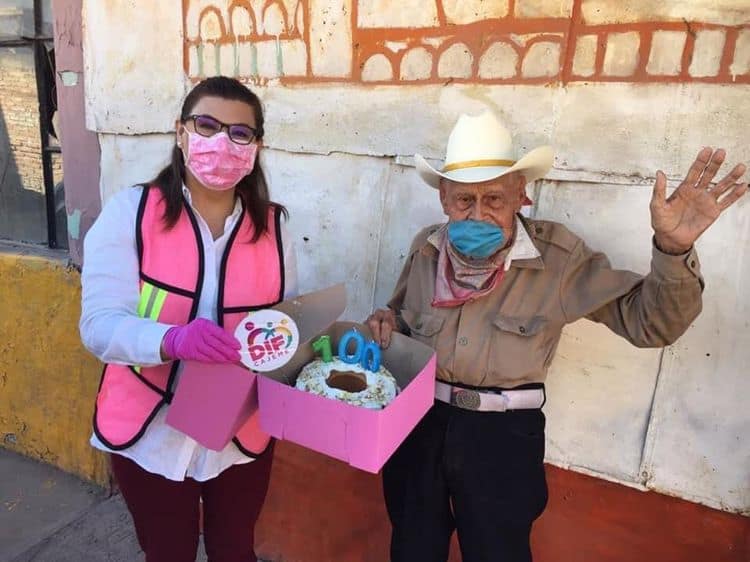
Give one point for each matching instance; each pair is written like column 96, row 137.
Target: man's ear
column 443, row 195
column 521, row 187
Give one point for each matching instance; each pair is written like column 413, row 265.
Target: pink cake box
column 212, row 402
column 361, row 437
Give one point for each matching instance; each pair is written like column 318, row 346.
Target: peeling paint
column 200, row 48
column 279, row 58
column 74, row 224
column 69, row 78
column 254, row 61
column 236, row 58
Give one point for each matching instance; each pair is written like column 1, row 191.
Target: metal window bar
column 41, row 58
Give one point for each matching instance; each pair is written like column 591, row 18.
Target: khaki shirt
column 509, row 337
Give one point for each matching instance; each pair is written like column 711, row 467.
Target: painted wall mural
column 439, row 41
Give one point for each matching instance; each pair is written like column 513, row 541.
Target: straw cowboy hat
column 481, row 149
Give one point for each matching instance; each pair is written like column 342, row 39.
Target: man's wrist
column 670, row 249
column 400, row 326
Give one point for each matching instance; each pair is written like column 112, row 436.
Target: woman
column 171, row 268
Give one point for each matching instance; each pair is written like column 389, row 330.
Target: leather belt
column 469, row 399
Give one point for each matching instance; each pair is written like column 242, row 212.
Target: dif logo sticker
column 269, row 339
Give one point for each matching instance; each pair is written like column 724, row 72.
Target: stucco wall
column 48, row 381
column 353, row 88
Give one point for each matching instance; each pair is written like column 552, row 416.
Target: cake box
column 361, row 437
column 211, row 402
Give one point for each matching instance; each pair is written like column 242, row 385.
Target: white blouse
column 111, row 329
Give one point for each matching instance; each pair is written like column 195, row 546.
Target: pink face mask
column 217, row 162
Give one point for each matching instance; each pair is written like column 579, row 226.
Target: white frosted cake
column 349, row 383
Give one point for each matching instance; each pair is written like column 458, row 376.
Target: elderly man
column 490, row 291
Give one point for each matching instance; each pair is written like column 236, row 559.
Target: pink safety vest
column 171, row 272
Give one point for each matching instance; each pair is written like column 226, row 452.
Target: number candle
column 323, row 346
column 344, row 342
column 371, row 357
column 366, row 354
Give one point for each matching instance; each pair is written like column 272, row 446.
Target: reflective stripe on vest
column 149, row 306
column 171, row 270
column 152, row 299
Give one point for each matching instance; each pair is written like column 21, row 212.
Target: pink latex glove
column 201, row 340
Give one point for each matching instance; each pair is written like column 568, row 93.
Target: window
column 31, row 188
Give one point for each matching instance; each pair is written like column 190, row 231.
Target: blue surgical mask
column 475, row 239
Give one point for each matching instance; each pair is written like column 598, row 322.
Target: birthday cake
column 348, row 382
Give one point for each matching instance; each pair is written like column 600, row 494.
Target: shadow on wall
column 23, row 214
column 22, row 211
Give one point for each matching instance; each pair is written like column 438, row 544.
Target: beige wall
column 620, row 93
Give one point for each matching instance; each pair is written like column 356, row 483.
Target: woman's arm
column 110, row 327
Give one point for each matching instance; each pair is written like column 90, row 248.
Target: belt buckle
column 466, row 398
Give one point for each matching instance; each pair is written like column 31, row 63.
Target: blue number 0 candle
column 371, row 357
column 344, row 342
column 367, row 355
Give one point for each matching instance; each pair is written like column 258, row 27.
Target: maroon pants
column 166, row 513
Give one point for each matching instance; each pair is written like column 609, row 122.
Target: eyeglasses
column 207, row 126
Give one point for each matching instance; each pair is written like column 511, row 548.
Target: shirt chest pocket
column 423, row 325
column 518, row 347
column 523, row 326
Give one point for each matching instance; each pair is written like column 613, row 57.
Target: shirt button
column 692, row 263
column 522, row 329
column 463, row 341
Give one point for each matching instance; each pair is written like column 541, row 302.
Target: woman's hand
column 200, row 340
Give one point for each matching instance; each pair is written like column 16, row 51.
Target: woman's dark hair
column 253, row 188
